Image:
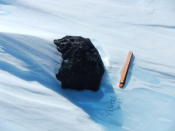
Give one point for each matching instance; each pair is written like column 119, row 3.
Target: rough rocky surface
column 82, row 67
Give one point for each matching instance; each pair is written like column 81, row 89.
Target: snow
column 30, row 95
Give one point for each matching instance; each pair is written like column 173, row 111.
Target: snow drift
column 30, row 96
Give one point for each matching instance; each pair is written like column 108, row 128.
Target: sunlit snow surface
column 30, row 96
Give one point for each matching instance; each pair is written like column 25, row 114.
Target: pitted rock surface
column 82, row 67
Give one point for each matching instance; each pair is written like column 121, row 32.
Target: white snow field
column 31, row 98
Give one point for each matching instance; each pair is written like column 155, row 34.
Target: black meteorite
column 82, row 66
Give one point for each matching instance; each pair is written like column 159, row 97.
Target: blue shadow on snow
column 103, row 107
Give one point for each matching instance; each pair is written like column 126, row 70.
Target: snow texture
column 30, row 96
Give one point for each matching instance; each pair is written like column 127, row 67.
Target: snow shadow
column 35, row 71
column 103, row 107
column 6, row 2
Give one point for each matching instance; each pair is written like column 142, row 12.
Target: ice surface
column 30, row 95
